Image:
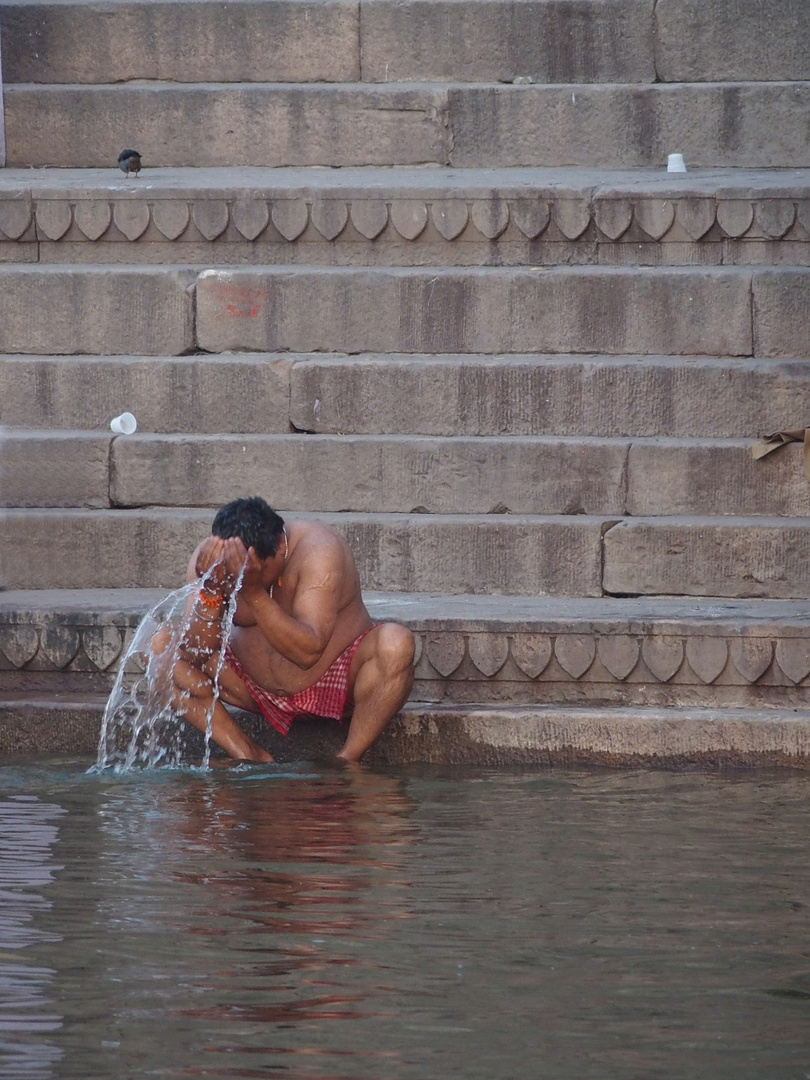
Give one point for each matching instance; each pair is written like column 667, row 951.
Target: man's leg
column 380, row 680
column 193, row 698
column 194, row 701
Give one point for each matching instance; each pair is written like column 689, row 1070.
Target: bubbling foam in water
column 140, row 728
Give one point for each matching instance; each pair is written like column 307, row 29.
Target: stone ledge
column 474, row 735
column 497, row 649
column 425, row 208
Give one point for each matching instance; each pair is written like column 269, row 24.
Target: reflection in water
column 27, row 1016
column 364, row 925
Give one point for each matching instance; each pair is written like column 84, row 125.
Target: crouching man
column 302, row 642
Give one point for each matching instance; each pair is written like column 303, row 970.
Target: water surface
column 325, row 924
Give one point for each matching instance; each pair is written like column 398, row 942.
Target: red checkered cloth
column 326, row 697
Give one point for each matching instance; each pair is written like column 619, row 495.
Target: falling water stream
column 140, row 728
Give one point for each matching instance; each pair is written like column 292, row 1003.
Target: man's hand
column 252, row 582
column 222, row 561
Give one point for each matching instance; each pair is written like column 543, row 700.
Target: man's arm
column 221, row 560
column 302, row 635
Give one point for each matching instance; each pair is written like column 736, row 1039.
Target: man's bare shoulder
column 321, row 558
column 314, row 542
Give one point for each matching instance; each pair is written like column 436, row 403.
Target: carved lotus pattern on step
column 522, row 217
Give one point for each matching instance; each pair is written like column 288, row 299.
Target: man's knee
column 395, row 647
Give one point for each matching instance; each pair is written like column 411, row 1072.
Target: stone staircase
column 518, row 364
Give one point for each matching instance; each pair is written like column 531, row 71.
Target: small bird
column 129, row 161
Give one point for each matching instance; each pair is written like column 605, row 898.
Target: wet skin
column 296, row 612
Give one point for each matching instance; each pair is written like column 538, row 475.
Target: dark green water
column 320, row 924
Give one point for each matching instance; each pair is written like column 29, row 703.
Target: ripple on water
column 315, row 922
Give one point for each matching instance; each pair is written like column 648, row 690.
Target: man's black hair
column 255, row 523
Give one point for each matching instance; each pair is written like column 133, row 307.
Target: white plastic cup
column 125, row 424
column 675, row 163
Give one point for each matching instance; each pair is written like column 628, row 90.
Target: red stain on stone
column 241, row 301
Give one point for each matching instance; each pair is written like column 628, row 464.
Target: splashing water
column 140, row 727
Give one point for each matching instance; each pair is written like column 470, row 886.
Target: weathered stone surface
column 74, row 126
column 53, row 218
column 531, row 216
column 188, row 394
column 728, row 41
column 619, row 653
column 715, row 477
column 613, row 217
column 751, row 656
column 93, row 217
column 40, row 469
column 521, row 395
column 329, row 216
column 375, row 474
column 707, row 656
column 781, row 312
column 409, row 217
column 290, row 217
column 411, row 553
column 490, row 217
column 102, row 644
column 74, row 549
column 741, row 557
column 734, row 216
column 19, row 644
column 59, row 643
column 575, row 653
column 494, row 41
column 775, row 217
column 532, row 653
column 696, row 216
column 662, row 655
column 793, row 658
column 622, row 736
column 585, row 309
column 450, row 217
column 655, row 216
column 171, row 216
column 132, row 218
column 75, row 310
column 572, row 217
column 445, row 652
column 626, row 126
column 211, row 217
column 461, row 554
column 488, row 652
column 251, row 217
column 15, row 217
column 369, row 217
column 280, row 41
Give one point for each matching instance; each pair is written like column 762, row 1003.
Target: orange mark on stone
column 241, row 301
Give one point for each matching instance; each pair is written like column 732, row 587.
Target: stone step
column 480, row 653
column 500, row 554
column 405, row 474
column 713, row 311
column 481, row 735
column 65, row 309
column 446, row 395
column 406, row 216
column 333, row 41
column 484, row 553
column 608, row 396
column 470, row 125
column 716, row 311
column 380, row 41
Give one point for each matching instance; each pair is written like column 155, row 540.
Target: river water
column 316, row 923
